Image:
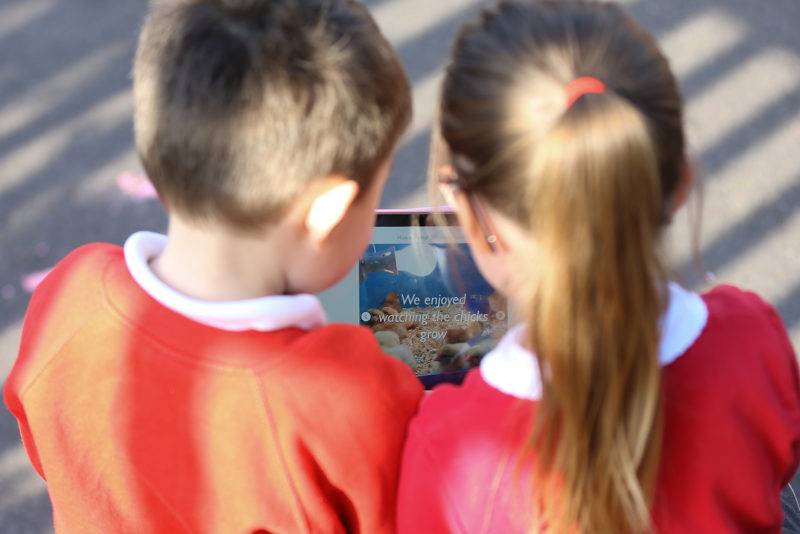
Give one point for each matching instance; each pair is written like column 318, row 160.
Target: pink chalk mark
column 136, row 186
column 8, row 292
column 41, row 249
column 31, row 281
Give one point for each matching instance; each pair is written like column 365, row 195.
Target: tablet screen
column 418, row 289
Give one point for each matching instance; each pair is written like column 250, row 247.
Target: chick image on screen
column 428, row 305
column 418, row 259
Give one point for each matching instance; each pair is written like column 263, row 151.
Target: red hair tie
column 583, row 86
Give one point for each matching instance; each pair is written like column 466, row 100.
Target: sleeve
column 360, row 442
column 792, row 385
column 787, row 377
column 88, row 259
column 12, row 401
column 25, row 366
column 24, row 369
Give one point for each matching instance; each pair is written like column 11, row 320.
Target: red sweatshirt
column 142, row 420
column 731, row 437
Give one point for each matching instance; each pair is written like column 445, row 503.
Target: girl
column 623, row 403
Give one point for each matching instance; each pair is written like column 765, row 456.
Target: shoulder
column 83, row 266
column 64, row 300
column 744, row 334
column 352, row 352
column 72, row 281
column 741, row 373
column 89, row 256
column 743, row 350
column 460, row 444
column 475, row 416
column 345, row 397
column 70, row 291
column 505, row 385
column 731, row 405
column 448, row 403
column 346, row 362
column 730, row 303
column 732, row 309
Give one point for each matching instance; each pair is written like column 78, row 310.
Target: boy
column 187, row 383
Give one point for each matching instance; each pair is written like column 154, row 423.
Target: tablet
column 418, row 289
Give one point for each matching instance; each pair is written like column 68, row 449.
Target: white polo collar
column 512, row 369
column 263, row 314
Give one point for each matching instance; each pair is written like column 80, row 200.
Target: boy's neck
column 213, row 263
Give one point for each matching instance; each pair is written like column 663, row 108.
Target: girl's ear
column 327, row 205
column 685, row 185
column 448, row 194
column 458, row 200
column 469, row 222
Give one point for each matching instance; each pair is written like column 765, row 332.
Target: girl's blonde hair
column 594, row 184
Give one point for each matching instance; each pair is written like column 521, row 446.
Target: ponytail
column 593, row 315
column 592, row 184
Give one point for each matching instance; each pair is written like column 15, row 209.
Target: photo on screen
column 428, row 305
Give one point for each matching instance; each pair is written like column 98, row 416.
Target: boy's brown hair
column 241, row 104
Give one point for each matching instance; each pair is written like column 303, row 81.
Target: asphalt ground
column 68, row 168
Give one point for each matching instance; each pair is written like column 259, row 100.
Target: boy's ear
column 328, row 204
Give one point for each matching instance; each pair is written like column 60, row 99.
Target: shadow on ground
column 60, row 158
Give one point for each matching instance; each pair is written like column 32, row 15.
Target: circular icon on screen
column 366, row 317
column 500, row 315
